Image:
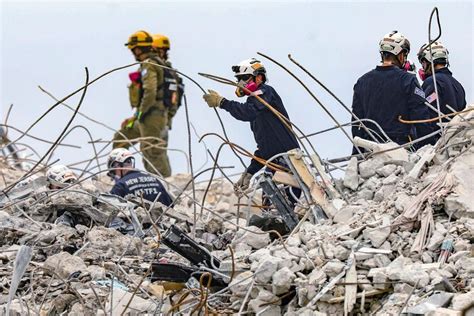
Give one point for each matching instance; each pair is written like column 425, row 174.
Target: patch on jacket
column 419, row 92
column 432, row 97
column 144, row 72
column 258, row 92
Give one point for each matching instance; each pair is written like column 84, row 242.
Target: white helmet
column 60, row 176
column 250, row 66
column 438, row 52
column 119, row 156
column 394, row 43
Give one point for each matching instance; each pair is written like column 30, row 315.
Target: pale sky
column 49, row 43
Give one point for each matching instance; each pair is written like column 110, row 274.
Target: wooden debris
column 351, row 290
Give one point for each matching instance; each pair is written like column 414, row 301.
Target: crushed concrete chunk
column 351, row 178
column 378, row 236
column 65, row 264
column 281, row 281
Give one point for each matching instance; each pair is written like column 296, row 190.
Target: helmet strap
column 259, row 79
column 163, row 53
column 427, row 68
column 400, row 63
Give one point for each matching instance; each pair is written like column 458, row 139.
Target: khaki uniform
column 173, row 107
column 147, row 97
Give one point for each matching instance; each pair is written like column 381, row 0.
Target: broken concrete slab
column 281, row 281
column 120, row 302
column 377, row 236
column 351, row 177
column 65, row 264
column 439, row 299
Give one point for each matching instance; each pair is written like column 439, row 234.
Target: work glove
column 242, row 184
column 128, row 122
column 213, row 99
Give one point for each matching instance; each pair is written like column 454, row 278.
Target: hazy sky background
column 49, row 43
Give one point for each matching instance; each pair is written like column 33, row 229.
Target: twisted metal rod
column 286, row 122
column 332, row 94
column 314, row 97
column 352, row 123
column 125, row 138
column 203, row 91
column 91, row 142
column 7, row 189
column 7, row 126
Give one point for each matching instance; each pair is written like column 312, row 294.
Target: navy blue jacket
column 450, row 92
column 136, row 183
column 385, row 93
column 271, row 135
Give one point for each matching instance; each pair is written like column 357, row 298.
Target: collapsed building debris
column 393, row 236
column 401, row 242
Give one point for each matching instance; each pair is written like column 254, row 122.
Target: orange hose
column 434, row 119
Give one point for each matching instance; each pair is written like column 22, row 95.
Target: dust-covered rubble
column 400, row 241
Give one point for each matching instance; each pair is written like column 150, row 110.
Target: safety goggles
column 128, row 163
column 243, row 77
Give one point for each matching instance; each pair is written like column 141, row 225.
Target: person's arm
column 119, row 190
column 429, row 90
column 177, row 91
column 246, row 112
column 165, row 198
column 417, row 109
column 357, row 110
column 152, row 77
column 255, row 166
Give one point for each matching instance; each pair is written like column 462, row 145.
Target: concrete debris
column 120, row 303
column 282, row 280
column 90, row 268
column 65, row 265
column 351, row 178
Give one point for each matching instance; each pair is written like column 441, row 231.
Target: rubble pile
column 398, row 239
column 403, row 241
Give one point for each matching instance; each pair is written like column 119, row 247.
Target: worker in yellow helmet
column 173, row 85
column 150, row 120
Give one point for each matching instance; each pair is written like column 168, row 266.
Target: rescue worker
column 271, row 135
column 450, row 91
column 130, row 182
column 147, row 98
column 173, row 84
column 388, row 92
column 59, row 177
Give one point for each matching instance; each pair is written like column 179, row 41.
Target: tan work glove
column 213, row 99
column 242, row 184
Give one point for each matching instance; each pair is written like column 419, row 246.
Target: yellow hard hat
column 139, row 38
column 161, row 41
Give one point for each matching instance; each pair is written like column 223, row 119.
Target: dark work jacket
column 383, row 95
column 450, row 92
column 271, row 135
column 136, row 183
